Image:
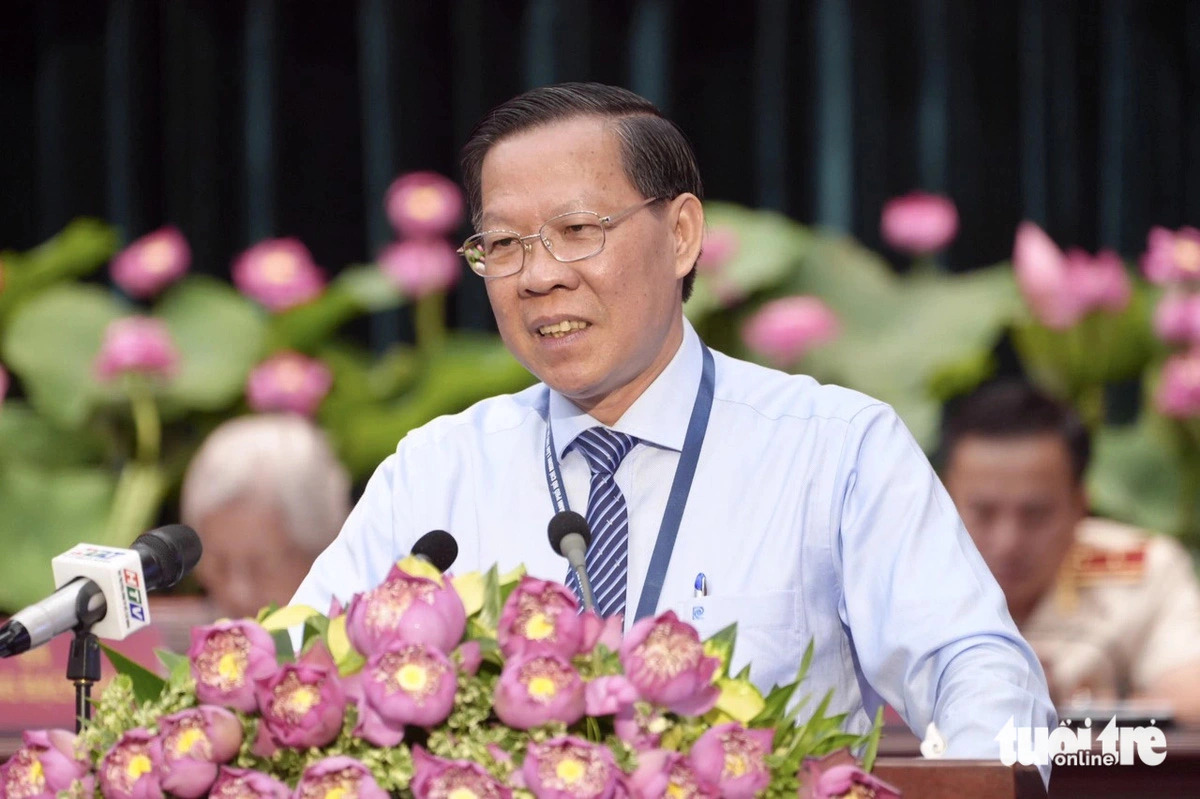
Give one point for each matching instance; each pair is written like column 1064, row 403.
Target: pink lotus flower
column 279, row 274
column 227, row 659
column 664, row 659
column 1178, row 392
column 424, row 205
column 782, row 331
column 720, row 245
column 662, row 773
column 244, row 783
column 919, row 223
column 194, row 743
column 469, row 657
column 607, row 696
column 419, row 267
column 843, row 780
column 1177, row 318
column 570, row 768
column 435, row 778
column 1061, row 289
column 537, row 689
column 1042, row 277
column 3, row 384
column 303, row 704
column 540, row 617
column 1099, row 281
column 734, row 759
column 288, row 382
column 410, row 684
column 131, row 769
column 151, row 263
column 606, row 632
column 640, row 726
column 45, row 764
column 406, row 609
column 136, row 344
column 1172, row 257
column 338, row 776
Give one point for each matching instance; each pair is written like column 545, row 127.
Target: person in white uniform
column 810, row 510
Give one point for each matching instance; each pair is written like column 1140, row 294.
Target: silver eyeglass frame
column 605, row 223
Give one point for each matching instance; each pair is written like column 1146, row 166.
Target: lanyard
column 680, row 486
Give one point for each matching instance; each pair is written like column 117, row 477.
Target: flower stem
column 146, row 422
column 430, row 321
column 1091, row 405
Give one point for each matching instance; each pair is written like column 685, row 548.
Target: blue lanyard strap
column 685, row 471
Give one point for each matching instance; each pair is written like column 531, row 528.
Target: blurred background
column 271, row 134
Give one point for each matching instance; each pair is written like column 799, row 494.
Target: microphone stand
column 83, row 660
column 83, row 669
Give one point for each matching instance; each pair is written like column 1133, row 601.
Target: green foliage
column 356, row 290
column 219, row 335
column 146, row 685
column 76, row 252
column 51, row 343
column 46, row 510
column 1078, row 362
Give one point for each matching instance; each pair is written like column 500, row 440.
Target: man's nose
column 542, row 272
column 1006, row 537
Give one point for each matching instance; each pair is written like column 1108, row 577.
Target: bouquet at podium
column 480, row 686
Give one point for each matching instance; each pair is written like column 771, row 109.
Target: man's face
column 627, row 297
column 249, row 559
column 1020, row 503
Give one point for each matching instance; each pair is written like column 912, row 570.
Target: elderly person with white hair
column 266, row 494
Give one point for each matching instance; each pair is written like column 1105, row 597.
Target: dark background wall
column 241, row 119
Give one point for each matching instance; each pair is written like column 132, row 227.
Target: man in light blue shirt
column 812, row 512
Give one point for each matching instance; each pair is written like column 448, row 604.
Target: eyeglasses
column 568, row 237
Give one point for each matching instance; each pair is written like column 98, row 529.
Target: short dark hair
column 1013, row 409
column 657, row 157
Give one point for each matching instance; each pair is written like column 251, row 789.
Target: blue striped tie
column 608, row 518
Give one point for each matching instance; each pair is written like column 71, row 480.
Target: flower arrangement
column 472, row 687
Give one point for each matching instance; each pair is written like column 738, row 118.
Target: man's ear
column 687, row 216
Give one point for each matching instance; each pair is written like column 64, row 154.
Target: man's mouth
column 561, row 329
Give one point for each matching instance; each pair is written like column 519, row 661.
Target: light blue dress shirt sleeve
column 929, row 625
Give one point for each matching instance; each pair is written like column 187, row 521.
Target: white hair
column 283, row 459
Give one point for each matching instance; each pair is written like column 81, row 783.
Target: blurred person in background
column 266, row 494
column 1112, row 611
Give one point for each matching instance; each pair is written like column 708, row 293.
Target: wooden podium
column 979, row 779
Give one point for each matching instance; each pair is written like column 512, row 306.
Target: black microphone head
column 563, row 524
column 438, row 547
column 168, row 553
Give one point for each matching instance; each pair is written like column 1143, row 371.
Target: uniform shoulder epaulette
column 1093, row 564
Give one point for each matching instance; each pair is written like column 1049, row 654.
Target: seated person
column 266, row 494
column 1112, row 612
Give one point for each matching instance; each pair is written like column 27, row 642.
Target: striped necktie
column 608, row 518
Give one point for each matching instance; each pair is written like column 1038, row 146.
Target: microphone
column 570, row 537
column 92, row 580
column 437, row 547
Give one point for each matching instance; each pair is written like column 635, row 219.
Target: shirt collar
column 659, row 416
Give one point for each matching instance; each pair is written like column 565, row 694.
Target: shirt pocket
column 767, row 631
